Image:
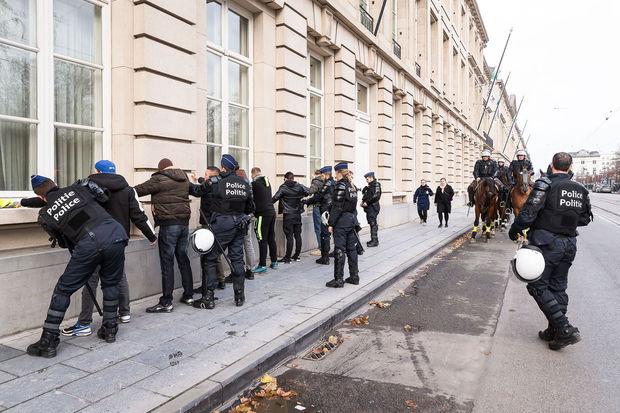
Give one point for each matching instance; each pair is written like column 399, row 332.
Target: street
column 460, row 335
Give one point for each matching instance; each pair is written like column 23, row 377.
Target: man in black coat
column 322, row 199
column 265, row 215
column 289, row 196
column 371, row 194
column 519, row 165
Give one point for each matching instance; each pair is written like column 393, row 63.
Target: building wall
column 422, row 117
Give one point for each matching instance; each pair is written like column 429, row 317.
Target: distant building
column 590, row 163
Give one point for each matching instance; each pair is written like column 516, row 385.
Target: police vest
column 230, row 194
column 326, row 192
column 565, row 204
column 73, row 212
column 486, row 169
column 349, row 204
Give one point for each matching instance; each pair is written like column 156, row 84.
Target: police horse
column 521, row 191
column 486, row 200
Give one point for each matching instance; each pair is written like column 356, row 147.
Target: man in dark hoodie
column 124, row 207
column 265, row 215
column 289, row 196
column 169, row 190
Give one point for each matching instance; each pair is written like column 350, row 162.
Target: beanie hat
column 164, row 163
column 229, row 162
column 341, row 165
column 106, row 167
column 326, row 170
column 367, row 174
column 37, row 181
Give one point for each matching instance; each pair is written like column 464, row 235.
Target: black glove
column 513, row 233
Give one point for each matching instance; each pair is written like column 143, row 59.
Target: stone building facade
column 287, row 85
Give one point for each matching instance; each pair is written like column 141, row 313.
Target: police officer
column 231, row 204
column 484, row 168
column 371, row 194
column 519, row 165
column 74, row 218
column 323, row 199
column 553, row 211
column 341, row 224
column 503, row 175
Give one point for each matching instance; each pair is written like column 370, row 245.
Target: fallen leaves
column 267, row 390
column 360, row 321
column 411, row 404
column 267, row 379
column 333, row 340
column 379, row 304
column 407, row 328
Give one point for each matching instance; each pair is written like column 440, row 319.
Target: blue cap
column 106, row 167
column 341, row 165
column 367, row 174
column 37, row 180
column 326, row 170
column 229, row 162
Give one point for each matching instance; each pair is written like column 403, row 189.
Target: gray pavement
column 523, row 375
column 174, row 361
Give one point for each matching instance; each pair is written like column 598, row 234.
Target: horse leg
column 488, row 230
column 476, row 222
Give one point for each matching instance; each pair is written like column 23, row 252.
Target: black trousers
column 423, row 214
column 227, row 230
column 345, row 246
column 264, row 227
column 550, row 291
column 172, row 242
column 372, row 212
column 104, row 248
column 443, row 216
column 292, row 229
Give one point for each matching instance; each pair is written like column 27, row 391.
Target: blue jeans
column 172, row 242
column 316, row 220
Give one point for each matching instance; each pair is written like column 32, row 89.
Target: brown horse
column 486, row 198
column 521, row 190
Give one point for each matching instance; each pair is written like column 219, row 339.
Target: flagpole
column 497, row 106
column 514, row 120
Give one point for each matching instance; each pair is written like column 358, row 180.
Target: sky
column 564, row 57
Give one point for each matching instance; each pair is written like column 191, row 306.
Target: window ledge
column 18, row 215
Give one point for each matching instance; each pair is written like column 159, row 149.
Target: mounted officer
column 371, row 194
column 323, row 198
column 553, row 211
column 484, row 168
column 519, row 165
column 503, row 175
column 231, row 204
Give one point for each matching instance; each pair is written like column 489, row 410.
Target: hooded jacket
column 169, row 190
column 123, row 204
column 261, row 189
column 290, row 194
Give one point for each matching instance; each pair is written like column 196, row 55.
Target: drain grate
column 321, row 350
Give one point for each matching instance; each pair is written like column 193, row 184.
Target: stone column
column 450, row 154
column 418, row 142
column 438, row 149
column 427, row 145
column 407, row 143
column 385, row 134
column 459, row 161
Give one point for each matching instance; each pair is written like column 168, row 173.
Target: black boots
column 46, row 346
column 206, row 302
column 108, row 333
column 547, row 335
column 239, row 297
column 323, row 261
column 335, row 283
column 565, row 336
column 353, row 279
column 372, row 243
column 338, row 281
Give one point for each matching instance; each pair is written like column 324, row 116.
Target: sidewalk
column 176, row 361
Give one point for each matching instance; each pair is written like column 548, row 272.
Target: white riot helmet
column 528, row 264
column 486, row 152
column 202, row 240
column 521, row 152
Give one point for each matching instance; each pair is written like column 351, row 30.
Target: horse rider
column 484, row 168
column 554, row 209
column 504, row 176
column 519, row 165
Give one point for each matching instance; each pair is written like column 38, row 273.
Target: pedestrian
column 249, row 253
column 169, row 190
column 315, row 186
column 322, row 200
column 265, row 224
column 125, row 208
column 554, row 209
column 290, row 196
column 231, row 208
column 341, row 224
column 421, row 198
column 74, row 219
column 443, row 200
column 371, row 194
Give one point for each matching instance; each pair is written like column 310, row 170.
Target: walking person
column 341, row 224
column 371, row 194
column 421, row 197
column 322, row 199
column 74, row 219
column 169, row 189
column 554, row 209
column 125, row 208
column 289, row 196
column 315, row 186
column 265, row 224
column 443, row 200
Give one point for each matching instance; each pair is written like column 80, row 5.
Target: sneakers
column 187, row 300
column 295, row 258
column 207, row 302
column 160, row 308
column 45, row 347
column 77, row 330
column 124, row 318
column 249, row 275
column 108, row 333
column 565, row 336
column 274, row 265
column 259, row 269
column 322, row 261
column 285, row 260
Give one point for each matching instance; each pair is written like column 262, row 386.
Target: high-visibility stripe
column 267, row 182
column 259, row 226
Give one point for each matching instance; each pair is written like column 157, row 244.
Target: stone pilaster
column 385, row 132
column 427, row 145
column 450, row 153
column 344, row 105
column 439, row 156
column 408, row 119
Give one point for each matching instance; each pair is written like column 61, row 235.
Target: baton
column 359, row 242
column 92, row 295
column 217, row 242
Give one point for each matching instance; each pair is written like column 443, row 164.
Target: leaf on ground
column 487, row 353
column 407, row 328
column 266, row 379
column 379, row 304
column 333, row 340
column 360, row 321
column 294, row 366
column 411, row 404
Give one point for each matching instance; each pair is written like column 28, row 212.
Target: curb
column 224, row 385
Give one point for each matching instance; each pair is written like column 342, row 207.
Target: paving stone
column 4, row 377
column 176, row 379
column 268, row 329
column 30, row 386
column 229, row 350
column 25, row 364
column 131, row 399
column 168, row 353
column 7, row 352
column 23, row 340
column 108, row 381
column 103, row 357
column 164, row 331
column 61, row 402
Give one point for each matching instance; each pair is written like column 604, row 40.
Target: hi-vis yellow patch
column 8, row 203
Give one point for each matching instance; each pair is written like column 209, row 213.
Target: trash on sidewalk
column 379, row 304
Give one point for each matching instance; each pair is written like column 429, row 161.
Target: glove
column 513, row 233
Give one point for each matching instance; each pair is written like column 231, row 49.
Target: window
column 228, row 84
column 394, row 19
column 315, row 111
column 52, row 116
column 362, row 98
